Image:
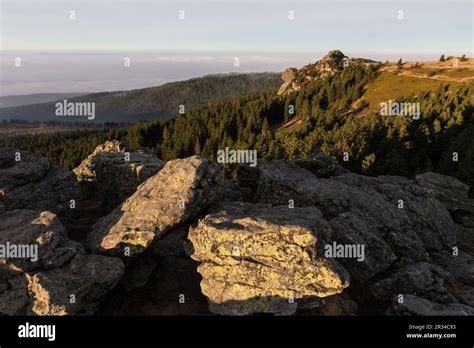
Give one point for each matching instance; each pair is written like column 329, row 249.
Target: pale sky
column 63, row 54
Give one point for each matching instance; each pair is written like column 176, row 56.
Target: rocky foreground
column 126, row 233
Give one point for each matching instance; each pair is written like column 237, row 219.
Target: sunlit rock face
column 171, row 197
column 263, row 259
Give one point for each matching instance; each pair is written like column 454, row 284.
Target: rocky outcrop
column 173, row 196
column 407, row 217
column 32, row 182
column 263, row 259
column 288, row 236
column 408, row 229
column 115, row 171
column 332, row 63
column 289, row 81
column 42, row 272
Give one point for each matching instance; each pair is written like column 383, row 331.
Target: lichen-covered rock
column 32, row 182
column 444, row 187
column 74, row 289
column 49, row 274
column 171, row 197
column 267, row 255
column 43, row 229
column 401, row 223
column 258, row 258
column 115, row 171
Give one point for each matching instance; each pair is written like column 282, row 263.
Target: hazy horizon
column 65, row 73
column 86, row 53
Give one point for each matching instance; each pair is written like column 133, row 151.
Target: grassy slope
column 391, row 86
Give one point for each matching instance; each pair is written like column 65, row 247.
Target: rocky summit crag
column 286, row 237
column 331, row 64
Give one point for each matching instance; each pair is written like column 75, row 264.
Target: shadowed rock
column 452, row 193
column 57, row 280
column 414, row 305
column 423, row 279
column 322, row 165
column 28, row 227
column 115, row 171
column 32, row 182
column 421, row 223
column 74, row 289
column 352, row 229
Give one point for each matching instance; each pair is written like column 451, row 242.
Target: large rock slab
column 176, row 194
column 352, row 229
column 28, row 228
column 262, row 259
column 115, row 171
column 452, row 193
column 49, row 274
column 33, row 182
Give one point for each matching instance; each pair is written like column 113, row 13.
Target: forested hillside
column 153, row 102
column 329, row 118
column 18, row 100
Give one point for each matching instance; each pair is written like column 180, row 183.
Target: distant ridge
column 152, row 102
column 36, row 98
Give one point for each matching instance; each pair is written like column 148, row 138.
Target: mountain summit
column 332, row 63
